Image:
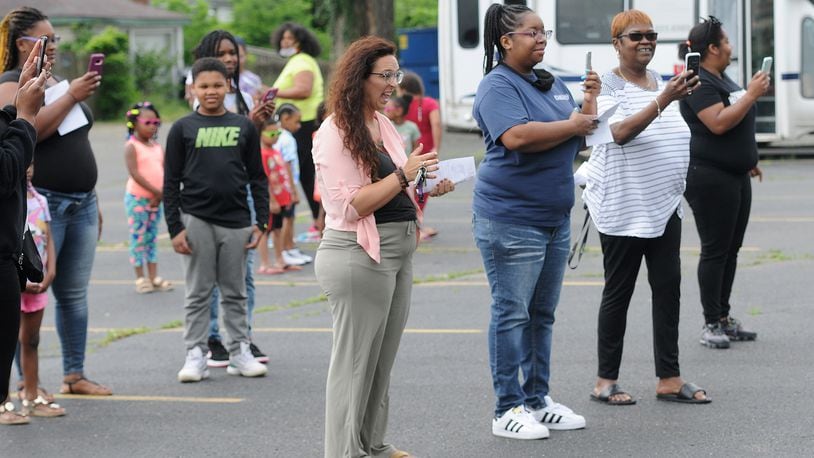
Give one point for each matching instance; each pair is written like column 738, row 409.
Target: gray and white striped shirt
column 633, row 190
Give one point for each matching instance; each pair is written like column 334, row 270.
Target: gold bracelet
column 658, row 107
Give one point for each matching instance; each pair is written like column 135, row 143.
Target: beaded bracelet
column 402, row 178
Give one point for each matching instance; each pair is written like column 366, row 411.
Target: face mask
column 288, row 52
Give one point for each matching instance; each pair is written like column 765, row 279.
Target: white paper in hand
column 602, row 134
column 455, row 170
column 75, row 118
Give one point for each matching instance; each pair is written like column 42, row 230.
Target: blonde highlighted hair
column 627, row 18
column 13, row 26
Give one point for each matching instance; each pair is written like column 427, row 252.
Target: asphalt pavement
column 441, row 395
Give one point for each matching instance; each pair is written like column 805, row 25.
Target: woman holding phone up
column 633, row 192
column 723, row 157
column 66, row 175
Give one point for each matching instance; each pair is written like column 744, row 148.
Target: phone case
column 96, row 62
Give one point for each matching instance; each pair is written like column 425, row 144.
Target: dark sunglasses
column 637, row 36
column 150, row 121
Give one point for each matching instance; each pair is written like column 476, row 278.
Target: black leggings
column 9, row 319
column 721, row 202
column 304, row 138
column 622, row 257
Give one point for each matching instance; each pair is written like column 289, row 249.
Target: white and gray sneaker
column 292, row 260
column 245, row 364
column 557, row 416
column 194, row 369
column 713, row 336
column 295, row 252
column 518, row 423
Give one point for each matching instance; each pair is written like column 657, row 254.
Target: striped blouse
column 633, row 190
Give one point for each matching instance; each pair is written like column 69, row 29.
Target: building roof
column 121, row 12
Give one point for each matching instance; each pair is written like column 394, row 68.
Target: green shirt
column 302, row 62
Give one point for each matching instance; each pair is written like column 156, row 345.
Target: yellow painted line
column 117, row 397
column 293, row 330
column 180, row 283
column 781, row 219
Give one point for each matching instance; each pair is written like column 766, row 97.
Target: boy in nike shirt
column 214, row 154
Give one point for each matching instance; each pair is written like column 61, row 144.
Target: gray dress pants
column 218, row 257
column 369, row 303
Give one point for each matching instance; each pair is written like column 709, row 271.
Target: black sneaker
column 258, row 355
column 735, row 330
column 217, row 356
column 713, row 336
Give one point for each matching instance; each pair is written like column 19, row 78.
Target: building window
column 574, row 26
column 468, row 24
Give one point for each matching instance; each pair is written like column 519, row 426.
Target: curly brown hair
column 346, row 98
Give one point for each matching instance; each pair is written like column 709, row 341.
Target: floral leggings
column 143, row 222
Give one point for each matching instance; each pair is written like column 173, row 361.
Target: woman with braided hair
column 66, row 175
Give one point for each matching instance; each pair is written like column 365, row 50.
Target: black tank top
column 63, row 163
column 399, row 208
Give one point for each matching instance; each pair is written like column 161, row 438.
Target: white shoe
column 518, row 423
column 292, row 260
column 557, row 416
column 194, row 369
column 299, row 254
column 245, row 364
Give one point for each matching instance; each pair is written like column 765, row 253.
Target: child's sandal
column 159, row 284
column 9, row 416
column 40, row 407
column 144, row 286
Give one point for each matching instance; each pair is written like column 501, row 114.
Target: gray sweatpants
column 369, row 303
column 218, row 258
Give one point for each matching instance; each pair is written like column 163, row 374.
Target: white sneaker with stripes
column 557, row 416
column 517, row 423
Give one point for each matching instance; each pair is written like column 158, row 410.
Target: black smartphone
column 44, row 42
column 692, row 61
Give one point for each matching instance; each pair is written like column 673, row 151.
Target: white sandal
column 40, row 407
column 144, row 286
column 159, row 284
column 8, row 416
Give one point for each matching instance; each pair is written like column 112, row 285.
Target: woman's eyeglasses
column 271, row 133
column 52, row 39
column 637, row 36
column 150, row 121
column 391, row 77
column 536, row 34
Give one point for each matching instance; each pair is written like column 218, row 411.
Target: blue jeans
column 214, row 330
column 525, row 266
column 75, row 229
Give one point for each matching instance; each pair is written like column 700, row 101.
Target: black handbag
column 29, row 264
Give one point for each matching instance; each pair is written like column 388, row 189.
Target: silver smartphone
column 766, row 67
column 588, row 67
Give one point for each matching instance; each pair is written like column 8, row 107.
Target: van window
column 468, row 24
column 807, row 67
column 574, row 26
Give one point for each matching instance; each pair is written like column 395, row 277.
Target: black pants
column 304, row 138
column 9, row 319
column 721, row 202
column 622, row 257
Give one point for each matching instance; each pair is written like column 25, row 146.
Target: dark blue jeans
column 525, row 266
column 75, row 229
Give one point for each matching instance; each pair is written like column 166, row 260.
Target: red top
column 277, row 173
column 419, row 113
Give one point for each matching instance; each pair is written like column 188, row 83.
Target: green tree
column 352, row 19
column 200, row 22
column 416, row 13
column 117, row 90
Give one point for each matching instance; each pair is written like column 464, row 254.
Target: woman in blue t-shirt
column 523, row 197
column 723, row 156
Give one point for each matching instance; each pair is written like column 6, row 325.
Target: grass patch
column 447, row 276
column 292, row 305
column 754, row 311
column 118, row 334
column 172, row 325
